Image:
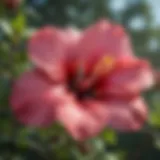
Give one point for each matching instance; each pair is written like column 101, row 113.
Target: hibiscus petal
column 83, row 121
column 130, row 76
column 127, row 115
column 73, row 34
column 47, row 49
column 104, row 38
column 33, row 100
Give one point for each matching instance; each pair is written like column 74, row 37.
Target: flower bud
column 11, row 4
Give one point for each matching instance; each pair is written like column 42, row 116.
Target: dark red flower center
column 83, row 80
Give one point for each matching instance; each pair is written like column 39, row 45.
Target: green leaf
column 4, row 90
column 6, row 27
column 19, row 23
column 154, row 119
column 110, row 136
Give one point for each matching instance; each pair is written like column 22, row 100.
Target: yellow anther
column 104, row 65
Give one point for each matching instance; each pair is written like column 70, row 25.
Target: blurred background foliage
column 18, row 19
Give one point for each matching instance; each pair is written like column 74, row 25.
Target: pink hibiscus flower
column 83, row 80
